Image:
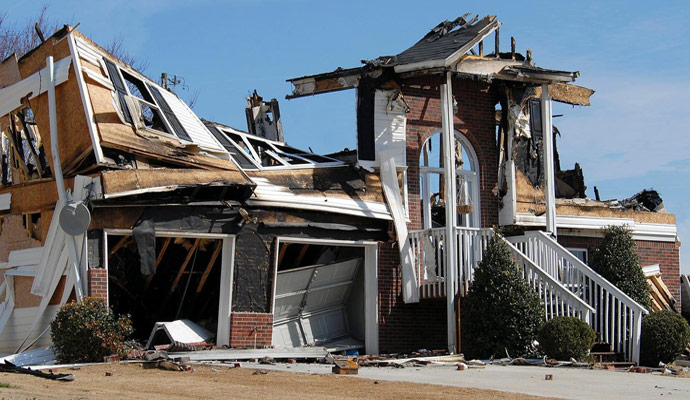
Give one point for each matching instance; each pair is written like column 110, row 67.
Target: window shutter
column 119, row 88
column 169, row 114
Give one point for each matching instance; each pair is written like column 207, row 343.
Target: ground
column 206, row 382
column 299, row 381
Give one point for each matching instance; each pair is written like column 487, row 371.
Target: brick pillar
column 251, row 330
column 98, row 283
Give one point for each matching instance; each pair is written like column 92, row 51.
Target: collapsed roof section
column 450, row 46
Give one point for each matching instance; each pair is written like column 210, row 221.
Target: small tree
column 88, row 331
column 615, row 259
column 500, row 311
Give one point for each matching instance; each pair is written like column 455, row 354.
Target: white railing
column 427, row 247
column 618, row 318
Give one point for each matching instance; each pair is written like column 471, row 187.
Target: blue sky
column 633, row 53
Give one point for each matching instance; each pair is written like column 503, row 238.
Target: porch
column 566, row 286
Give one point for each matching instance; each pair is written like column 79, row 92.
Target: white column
column 549, row 178
column 371, row 295
column 450, row 200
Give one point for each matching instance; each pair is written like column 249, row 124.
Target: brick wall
column 405, row 327
column 98, row 283
column 251, row 330
column 666, row 254
column 475, row 119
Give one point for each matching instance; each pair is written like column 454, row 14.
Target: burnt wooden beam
column 300, row 256
column 497, row 40
column 120, row 244
column 34, row 153
column 512, row 47
column 281, row 254
column 209, row 267
column 161, row 253
column 184, row 265
column 481, row 49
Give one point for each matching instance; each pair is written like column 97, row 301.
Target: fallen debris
column 9, row 367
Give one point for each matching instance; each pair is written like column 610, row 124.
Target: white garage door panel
column 326, row 298
column 322, row 327
column 312, row 298
column 293, row 280
column 287, row 307
column 334, row 273
column 288, row 334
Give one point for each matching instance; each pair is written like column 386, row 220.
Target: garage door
column 310, row 303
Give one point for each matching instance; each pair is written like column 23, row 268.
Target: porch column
column 549, row 179
column 450, row 200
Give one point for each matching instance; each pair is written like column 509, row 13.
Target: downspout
column 450, row 200
column 59, row 180
column 549, row 179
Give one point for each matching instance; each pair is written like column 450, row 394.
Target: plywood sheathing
column 24, row 298
column 343, row 182
column 129, row 180
column 9, row 71
column 567, row 93
column 13, row 236
column 531, row 200
column 34, row 196
column 74, row 138
column 115, row 217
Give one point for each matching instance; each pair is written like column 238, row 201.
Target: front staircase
column 566, row 286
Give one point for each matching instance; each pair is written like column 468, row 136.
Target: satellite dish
column 75, row 218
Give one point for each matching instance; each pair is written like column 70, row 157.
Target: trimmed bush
column 615, row 259
column 564, row 338
column 500, row 311
column 665, row 334
column 88, row 331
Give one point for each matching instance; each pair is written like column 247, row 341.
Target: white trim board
column 36, row 84
column 640, row 230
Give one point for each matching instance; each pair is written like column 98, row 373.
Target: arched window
column 432, row 184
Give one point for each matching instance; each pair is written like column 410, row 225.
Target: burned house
column 113, row 187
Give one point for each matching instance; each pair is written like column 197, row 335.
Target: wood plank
column 300, row 256
column 184, row 265
column 209, row 267
column 120, row 244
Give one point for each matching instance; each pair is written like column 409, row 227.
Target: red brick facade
column 98, row 283
column 666, row 254
column 251, row 330
column 407, row 327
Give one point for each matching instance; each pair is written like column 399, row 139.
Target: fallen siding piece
column 391, row 190
column 247, row 354
column 43, row 356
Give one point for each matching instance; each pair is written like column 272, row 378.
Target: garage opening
column 185, row 284
column 319, row 297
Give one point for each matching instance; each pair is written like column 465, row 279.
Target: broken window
column 143, row 105
column 432, row 183
column 22, row 154
column 265, row 154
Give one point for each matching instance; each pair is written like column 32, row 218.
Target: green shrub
column 564, row 338
column 88, row 331
column 500, row 311
column 665, row 334
column 615, row 259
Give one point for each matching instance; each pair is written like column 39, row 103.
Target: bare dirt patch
column 207, row 382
